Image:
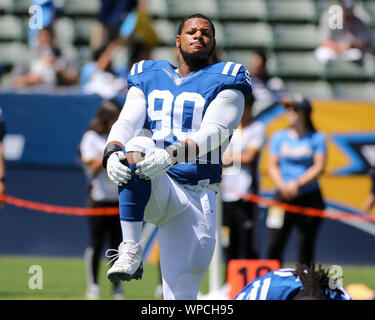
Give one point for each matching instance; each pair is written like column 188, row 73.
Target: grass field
column 65, row 279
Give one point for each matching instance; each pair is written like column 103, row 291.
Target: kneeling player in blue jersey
column 189, row 113
column 302, row 283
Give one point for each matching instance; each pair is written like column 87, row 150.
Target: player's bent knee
column 137, row 147
column 133, row 157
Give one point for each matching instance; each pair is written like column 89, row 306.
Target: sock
column 131, row 230
column 133, row 197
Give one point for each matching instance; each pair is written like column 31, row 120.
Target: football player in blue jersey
column 171, row 174
column 302, row 283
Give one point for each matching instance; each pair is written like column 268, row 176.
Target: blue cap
column 297, row 101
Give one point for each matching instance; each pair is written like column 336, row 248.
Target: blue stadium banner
column 45, row 129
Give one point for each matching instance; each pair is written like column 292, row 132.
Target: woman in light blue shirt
column 297, row 158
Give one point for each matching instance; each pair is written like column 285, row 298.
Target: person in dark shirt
column 109, row 18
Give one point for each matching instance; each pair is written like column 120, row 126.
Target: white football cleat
column 128, row 265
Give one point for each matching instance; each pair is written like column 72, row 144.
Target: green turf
column 65, row 278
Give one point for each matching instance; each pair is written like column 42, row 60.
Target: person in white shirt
column 103, row 193
column 240, row 176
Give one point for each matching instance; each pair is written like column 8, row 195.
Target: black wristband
column 2, row 179
column 109, row 149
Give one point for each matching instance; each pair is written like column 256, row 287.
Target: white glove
column 156, row 162
column 116, row 171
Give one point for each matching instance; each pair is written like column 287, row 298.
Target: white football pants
column 186, row 235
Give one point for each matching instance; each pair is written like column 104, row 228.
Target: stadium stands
column 64, row 29
column 292, row 11
column 11, row 28
column 339, row 70
column 242, row 10
column 286, row 29
column 4, row 5
column 355, row 91
column 20, row 6
column 82, row 29
column 11, row 52
column 182, row 8
column 317, row 89
column 298, row 65
column 240, row 56
column 295, row 37
column 81, row 7
column 248, row 35
column 157, row 8
column 167, row 31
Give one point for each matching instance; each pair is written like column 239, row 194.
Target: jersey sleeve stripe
column 226, row 68
column 140, row 66
column 235, row 69
column 132, row 71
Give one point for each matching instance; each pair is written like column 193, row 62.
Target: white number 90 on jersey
column 169, row 115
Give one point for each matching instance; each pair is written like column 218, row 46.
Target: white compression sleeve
column 131, row 119
column 222, row 117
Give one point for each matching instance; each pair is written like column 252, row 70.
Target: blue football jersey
column 282, row 284
column 176, row 105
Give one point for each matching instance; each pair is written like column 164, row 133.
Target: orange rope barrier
column 313, row 212
column 37, row 206
column 262, row 201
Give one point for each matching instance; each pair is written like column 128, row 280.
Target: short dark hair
column 250, row 100
column 195, row 15
column 50, row 29
column 105, row 116
column 262, row 54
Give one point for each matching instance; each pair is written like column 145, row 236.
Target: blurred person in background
column 297, row 157
column 349, row 43
column 137, row 32
column 98, row 76
column 240, row 176
column 102, row 193
column 50, row 11
column 266, row 88
column 370, row 201
column 46, row 66
column 125, row 24
column 128, row 21
column 108, row 21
